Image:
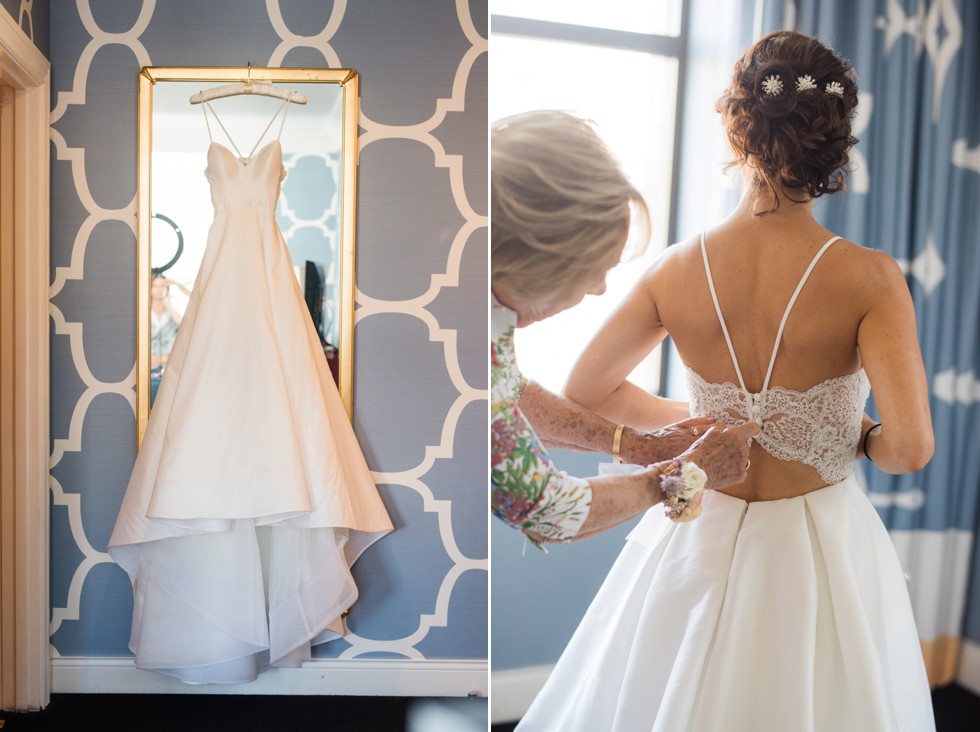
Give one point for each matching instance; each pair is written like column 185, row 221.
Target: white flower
column 805, row 82
column 772, row 85
column 835, row 87
column 694, row 479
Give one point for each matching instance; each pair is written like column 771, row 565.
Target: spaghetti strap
column 782, row 324
column 231, row 140
column 223, row 128
column 721, row 318
column 285, row 110
column 792, row 301
column 281, row 110
column 207, row 122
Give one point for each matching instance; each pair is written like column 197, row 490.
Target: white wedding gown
column 250, row 498
column 789, row 615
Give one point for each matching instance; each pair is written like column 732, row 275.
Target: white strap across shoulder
column 792, row 301
column 282, row 110
column 721, row 318
column 782, row 324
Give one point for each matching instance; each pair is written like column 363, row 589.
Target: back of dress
column 819, row 427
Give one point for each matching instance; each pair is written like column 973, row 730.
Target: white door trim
column 24, row 529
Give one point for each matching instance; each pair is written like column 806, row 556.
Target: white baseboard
column 334, row 677
column 514, row 690
column 969, row 673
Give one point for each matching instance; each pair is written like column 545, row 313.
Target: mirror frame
column 148, row 77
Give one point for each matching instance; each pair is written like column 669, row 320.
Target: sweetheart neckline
column 215, row 143
column 782, row 389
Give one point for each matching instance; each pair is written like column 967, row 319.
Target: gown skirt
column 791, row 614
column 250, row 498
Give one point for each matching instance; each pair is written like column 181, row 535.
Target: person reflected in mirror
column 164, row 321
column 562, row 211
column 785, row 605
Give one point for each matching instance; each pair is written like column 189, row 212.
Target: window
column 628, row 83
column 656, row 17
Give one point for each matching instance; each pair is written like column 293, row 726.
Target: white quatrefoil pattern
column 420, row 401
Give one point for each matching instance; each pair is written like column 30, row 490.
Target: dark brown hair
column 794, row 140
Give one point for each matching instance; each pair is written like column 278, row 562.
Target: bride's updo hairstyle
column 788, row 116
column 560, row 205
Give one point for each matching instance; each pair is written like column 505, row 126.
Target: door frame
column 25, row 664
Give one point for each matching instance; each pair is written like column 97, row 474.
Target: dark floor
column 957, row 710
column 212, row 713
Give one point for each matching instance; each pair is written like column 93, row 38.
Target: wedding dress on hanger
column 250, row 498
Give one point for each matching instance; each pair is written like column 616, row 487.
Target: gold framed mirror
column 315, row 210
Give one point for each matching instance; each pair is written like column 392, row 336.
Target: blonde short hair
column 559, row 204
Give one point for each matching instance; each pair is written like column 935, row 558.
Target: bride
column 784, row 607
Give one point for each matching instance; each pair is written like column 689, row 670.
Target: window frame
column 658, row 45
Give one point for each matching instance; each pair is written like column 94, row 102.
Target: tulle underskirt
column 209, row 608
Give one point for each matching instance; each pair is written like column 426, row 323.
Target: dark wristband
column 867, row 434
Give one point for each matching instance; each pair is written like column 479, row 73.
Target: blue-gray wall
column 538, row 598
column 420, row 346
column 32, row 19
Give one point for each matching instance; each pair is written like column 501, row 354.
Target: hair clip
column 835, row 87
column 805, row 82
column 772, row 86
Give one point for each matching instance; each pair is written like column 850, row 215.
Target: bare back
column 755, row 271
column 854, row 311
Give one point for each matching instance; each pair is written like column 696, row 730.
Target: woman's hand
column 723, row 453
column 645, row 448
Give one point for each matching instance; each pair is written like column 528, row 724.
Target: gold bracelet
column 617, row 439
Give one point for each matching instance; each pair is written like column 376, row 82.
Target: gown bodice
column 236, row 184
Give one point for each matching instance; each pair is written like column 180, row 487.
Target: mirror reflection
column 310, row 212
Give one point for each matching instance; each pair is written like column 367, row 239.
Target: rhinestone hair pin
column 772, row 85
column 805, row 82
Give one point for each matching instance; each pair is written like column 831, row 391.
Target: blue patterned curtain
column 915, row 193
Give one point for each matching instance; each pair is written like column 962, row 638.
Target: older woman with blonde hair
column 562, row 215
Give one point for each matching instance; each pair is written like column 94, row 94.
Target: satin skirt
column 779, row 615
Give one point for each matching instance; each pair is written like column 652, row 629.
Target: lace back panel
column 819, row 427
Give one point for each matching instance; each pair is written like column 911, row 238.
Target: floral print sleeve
column 527, row 490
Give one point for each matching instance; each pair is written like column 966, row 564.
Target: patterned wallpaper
column 32, row 17
column 420, row 407
column 308, row 214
